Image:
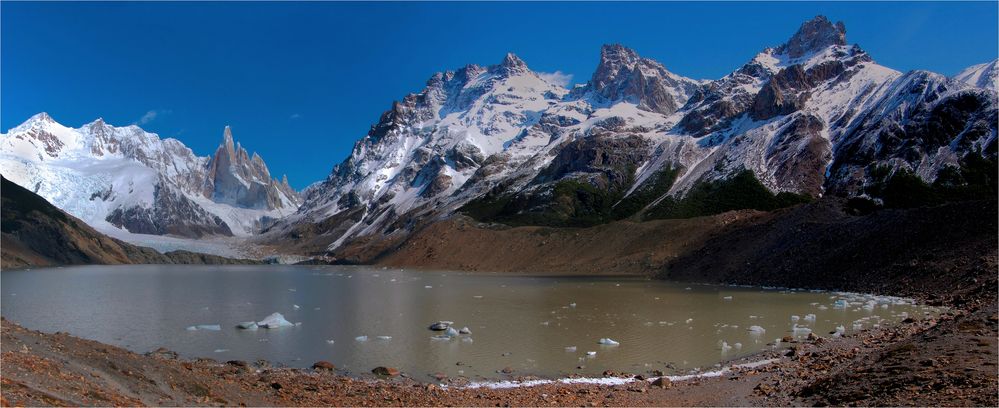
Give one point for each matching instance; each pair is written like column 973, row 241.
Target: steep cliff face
column 129, row 179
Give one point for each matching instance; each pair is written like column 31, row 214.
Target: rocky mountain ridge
column 810, row 117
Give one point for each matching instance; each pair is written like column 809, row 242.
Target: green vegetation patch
column 740, row 192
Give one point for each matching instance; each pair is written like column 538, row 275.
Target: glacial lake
column 527, row 324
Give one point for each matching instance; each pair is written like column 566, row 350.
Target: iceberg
column 247, row 326
column 451, row 332
column 361, row 338
column 608, row 342
column 274, row 321
column 211, row 327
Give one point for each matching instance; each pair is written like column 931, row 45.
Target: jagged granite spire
column 623, row 75
column 814, row 35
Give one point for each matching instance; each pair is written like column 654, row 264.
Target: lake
column 533, row 325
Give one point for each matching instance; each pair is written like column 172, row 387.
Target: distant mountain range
column 811, row 117
column 127, row 178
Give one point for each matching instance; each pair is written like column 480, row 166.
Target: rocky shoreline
column 946, row 360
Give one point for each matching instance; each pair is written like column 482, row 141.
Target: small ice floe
column 839, row 331
column 753, row 317
column 247, row 326
column 296, row 307
column 686, row 288
column 810, row 317
column 451, row 332
column 795, row 318
column 545, row 323
column 689, row 320
column 440, row 337
column 738, row 346
column 591, row 353
column 573, row 304
column 428, row 287
column 292, row 290
column 757, row 329
column 209, row 327
column 608, row 342
column 361, row 338
column 315, row 308
column 330, row 341
column 274, row 321
column 727, row 298
column 465, row 330
column 724, row 346
column 477, row 296
column 823, row 307
column 841, row 304
column 570, row 349
column 221, row 350
column 800, row 331
column 466, row 340
column 386, row 338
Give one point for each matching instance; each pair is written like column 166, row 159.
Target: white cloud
column 151, row 115
column 558, row 77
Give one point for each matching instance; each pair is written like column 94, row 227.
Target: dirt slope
column 621, row 247
column 941, row 251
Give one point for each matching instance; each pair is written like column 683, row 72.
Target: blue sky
column 300, row 82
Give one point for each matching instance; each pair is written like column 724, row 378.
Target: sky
column 301, row 82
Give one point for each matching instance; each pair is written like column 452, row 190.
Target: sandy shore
column 949, row 360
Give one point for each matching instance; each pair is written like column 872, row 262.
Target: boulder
column 386, row 371
column 323, row 365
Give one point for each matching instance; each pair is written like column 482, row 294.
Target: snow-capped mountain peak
column 623, row 75
column 813, row 36
column 982, row 75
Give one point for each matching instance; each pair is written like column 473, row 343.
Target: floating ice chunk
column 570, row 349
column 466, row 340
column 274, row 321
column 296, row 307
column 839, row 331
column 823, row 307
column 725, row 347
column 795, row 318
column 809, row 317
column 608, row 342
column 221, row 350
column 591, row 353
column 738, row 346
column 210, row 327
column 361, row 338
column 689, row 320
column 440, row 337
column 841, row 304
column 573, row 304
column 757, row 329
column 451, row 332
column 477, row 296
column 428, row 287
column 801, row 331
column 465, row 330
column 330, row 341
column 384, row 337
column 247, row 326
column 727, row 298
